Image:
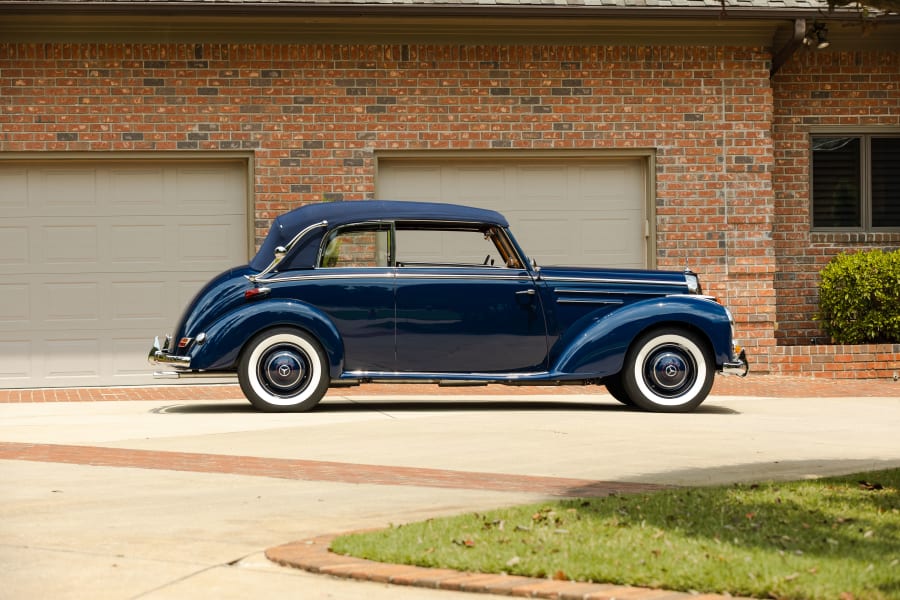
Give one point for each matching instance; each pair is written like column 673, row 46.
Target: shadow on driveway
column 409, row 406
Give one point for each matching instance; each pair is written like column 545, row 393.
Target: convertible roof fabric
column 288, row 225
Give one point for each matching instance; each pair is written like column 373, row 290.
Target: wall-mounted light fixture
column 817, row 36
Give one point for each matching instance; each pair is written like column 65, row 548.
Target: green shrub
column 859, row 298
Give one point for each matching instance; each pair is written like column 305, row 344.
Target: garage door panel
column 69, row 245
column 137, row 301
column 207, row 244
column 14, row 247
column 123, row 190
column 540, row 187
column 128, row 190
column 14, row 191
column 77, row 302
column 140, row 246
column 549, row 238
column 74, row 358
column 414, row 183
column 476, row 185
column 613, row 240
column 128, row 357
column 15, row 306
column 16, row 366
column 101, row 257
column 612, row 184
column 206, row 190
column 558, row 208
column 203, row 243
column 63, row 192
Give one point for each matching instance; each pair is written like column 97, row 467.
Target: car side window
column 431, row 246
column 359, row 246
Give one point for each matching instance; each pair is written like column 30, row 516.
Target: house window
column 856, row 182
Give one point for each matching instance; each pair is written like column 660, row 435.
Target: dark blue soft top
column 288, row 225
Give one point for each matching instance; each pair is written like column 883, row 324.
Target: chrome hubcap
column 670, row 371
column 284, row 370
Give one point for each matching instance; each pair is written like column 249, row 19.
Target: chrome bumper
column 738, row 366
column 159, row 355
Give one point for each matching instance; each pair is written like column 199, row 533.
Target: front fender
column 599, row 349
column 227, row 336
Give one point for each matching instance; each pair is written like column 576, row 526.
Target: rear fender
column 599, row 349
column 228, row 335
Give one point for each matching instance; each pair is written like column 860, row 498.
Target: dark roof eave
column 49, row 7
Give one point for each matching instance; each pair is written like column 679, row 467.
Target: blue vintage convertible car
column 352, row 292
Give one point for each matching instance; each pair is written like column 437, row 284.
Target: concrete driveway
column 179, row 498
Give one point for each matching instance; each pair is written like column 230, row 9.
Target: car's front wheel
column 668, row 370
column 283, row 370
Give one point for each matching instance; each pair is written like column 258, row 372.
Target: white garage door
column 97, row 258
column 562, row 211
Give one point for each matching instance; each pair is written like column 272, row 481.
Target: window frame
column 865, row 136
column 499, row 237
column 374, row 227
column 496, row 235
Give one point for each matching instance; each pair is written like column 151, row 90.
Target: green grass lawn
column 828, row 539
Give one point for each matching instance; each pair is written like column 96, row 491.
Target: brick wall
column 863, row 361
column 315, row 117
column 820, row 89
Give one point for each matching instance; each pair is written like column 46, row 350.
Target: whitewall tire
column 668, row 370
column 283, row 370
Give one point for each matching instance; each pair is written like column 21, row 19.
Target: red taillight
column 255, row 293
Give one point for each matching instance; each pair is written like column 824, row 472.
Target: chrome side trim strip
column 455, row 377
column 518, row 277
column 564, row 291
column 396, row 274
column 317, row 276
column 588, row 301
column 612, row 281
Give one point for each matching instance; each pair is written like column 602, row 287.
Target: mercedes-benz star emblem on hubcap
column 284, row 370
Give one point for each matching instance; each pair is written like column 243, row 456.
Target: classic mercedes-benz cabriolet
column 346, row 293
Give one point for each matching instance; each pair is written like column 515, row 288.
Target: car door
column 353, row 283
column 459, row 313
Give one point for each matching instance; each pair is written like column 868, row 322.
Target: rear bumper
column 738, row 366
column 159, row 355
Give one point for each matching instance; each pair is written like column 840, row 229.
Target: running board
column 193, row 375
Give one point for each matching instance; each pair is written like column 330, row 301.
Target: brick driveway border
column 769, row 386
column 316, row 470
column 314, row 555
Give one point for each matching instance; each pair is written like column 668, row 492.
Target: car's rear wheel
column 668, row 370
column 617, row 390
column 283, row 370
